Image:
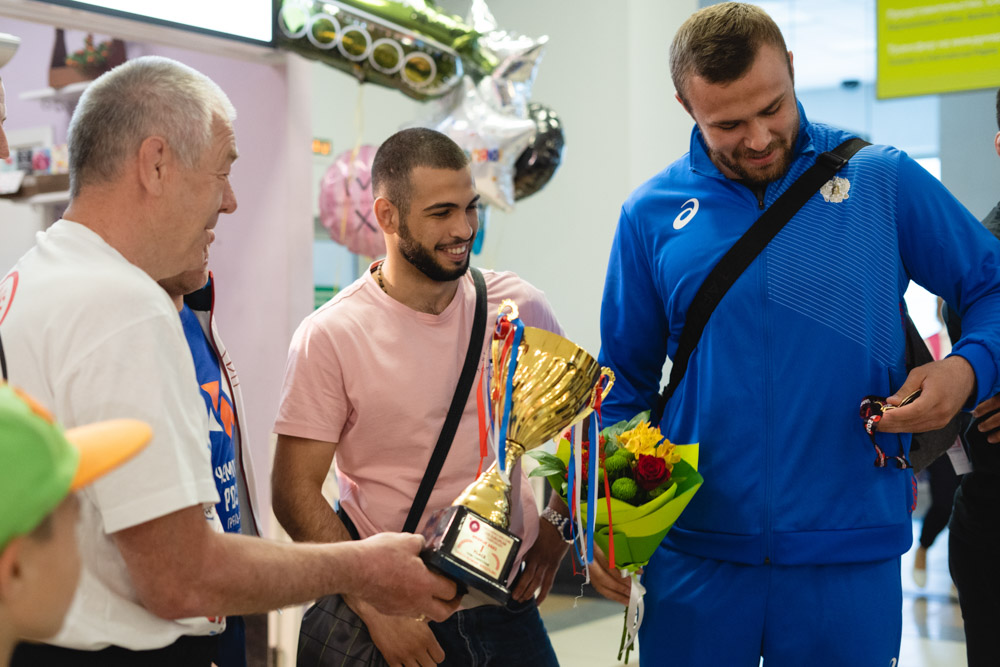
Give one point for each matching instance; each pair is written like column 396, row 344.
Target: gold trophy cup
column 555, row 383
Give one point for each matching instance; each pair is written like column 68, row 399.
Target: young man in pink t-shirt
column 369, row 379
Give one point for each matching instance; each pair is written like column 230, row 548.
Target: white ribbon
column 486, row 369
column 636, row 608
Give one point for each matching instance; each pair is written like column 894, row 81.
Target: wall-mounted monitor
column 244, row 20
column 927, row 47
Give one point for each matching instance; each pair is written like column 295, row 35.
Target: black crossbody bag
column 738, row 258
column 925, row 446
column 331, row 633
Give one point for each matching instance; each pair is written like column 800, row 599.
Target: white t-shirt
column 93, row 337
column 377, row 377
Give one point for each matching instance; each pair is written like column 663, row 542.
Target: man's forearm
column 271, row 575
column 307, row 517
column 180, row 568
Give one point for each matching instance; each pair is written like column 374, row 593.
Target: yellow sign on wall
column 937, row 46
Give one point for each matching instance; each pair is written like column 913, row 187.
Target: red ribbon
column 483, row 427
column 611, row 530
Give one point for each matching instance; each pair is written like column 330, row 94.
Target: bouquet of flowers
column 643, row 483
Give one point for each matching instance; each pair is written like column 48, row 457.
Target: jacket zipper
column 761, row 193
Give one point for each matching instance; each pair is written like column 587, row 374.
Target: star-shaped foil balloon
column 492, row 139
column 508, row 87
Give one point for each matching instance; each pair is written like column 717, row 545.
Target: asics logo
column 688, row 211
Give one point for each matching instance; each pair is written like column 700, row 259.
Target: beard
column 423, row 259
column 758, row 175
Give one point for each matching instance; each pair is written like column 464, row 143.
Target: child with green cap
column 40, row 467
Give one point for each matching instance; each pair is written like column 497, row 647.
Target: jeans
column 496, row 636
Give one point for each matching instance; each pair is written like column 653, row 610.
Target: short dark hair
column 998, row 109
column 406, row 150
column 720, row 42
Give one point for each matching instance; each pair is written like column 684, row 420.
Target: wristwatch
column 561, row 523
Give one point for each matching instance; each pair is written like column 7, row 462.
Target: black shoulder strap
column 457, row 406
column 3, row 362
column 745, row 251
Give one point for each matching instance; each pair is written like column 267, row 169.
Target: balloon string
column 359, row 126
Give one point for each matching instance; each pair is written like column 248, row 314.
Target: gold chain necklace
column 378, row 277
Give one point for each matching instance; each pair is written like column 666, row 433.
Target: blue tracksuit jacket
column 814, row 325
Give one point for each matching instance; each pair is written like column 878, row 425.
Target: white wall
column 605, row 73
column 970, row 167
column 908, row 123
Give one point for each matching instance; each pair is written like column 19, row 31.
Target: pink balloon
column 346, row 200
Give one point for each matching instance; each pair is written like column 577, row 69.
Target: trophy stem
column 489, row 495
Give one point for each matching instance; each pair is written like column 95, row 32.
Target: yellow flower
column 642, row 439
column 668, row 453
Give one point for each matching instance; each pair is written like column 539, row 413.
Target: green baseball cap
column 40, row 464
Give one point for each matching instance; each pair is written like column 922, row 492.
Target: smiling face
column 750, row 125
column 436, row 234
column 200, row 194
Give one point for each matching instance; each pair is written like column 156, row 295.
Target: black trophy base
column 472, row 552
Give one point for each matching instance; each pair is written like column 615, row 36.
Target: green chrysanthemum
column 616, row 465
column 624, row 489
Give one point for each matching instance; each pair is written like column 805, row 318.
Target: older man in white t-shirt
column 92, row 336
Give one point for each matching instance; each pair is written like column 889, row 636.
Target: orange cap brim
column 106, row 445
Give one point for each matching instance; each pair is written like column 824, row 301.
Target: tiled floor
column 588, row 634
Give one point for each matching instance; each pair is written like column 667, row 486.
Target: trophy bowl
column 553, row 384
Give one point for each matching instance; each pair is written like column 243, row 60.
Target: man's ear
column 10, row 568
column 387, row 215
column 677, row 96
column 153, row 160
column 996, row 143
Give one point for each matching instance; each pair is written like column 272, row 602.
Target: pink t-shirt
column 377, row 377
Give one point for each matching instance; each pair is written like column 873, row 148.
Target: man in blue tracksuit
column 791, row 548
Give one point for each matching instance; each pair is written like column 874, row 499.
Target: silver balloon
column 493, row 141
column 508, row 87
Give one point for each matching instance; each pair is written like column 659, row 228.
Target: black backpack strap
column 745, row 251
column 457, row 406
column 3, row 362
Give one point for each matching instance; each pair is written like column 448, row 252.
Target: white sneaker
column 920, row 577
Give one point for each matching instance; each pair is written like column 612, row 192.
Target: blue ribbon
column 595, row 456
column 508, row 393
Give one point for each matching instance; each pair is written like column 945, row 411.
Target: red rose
column 650, row 472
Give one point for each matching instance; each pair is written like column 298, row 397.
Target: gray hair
column 144, row 97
